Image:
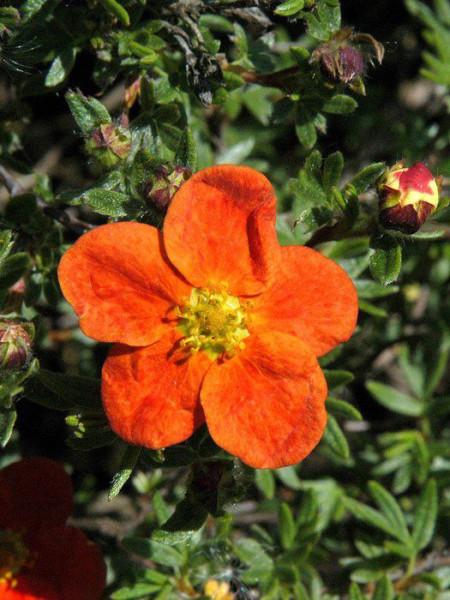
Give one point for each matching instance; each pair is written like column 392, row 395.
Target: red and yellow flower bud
column 407, row 197
column 15, row 344
column 163, row 185
column 109, row 144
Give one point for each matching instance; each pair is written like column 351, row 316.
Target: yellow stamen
column 14, row 556
column 213, row 321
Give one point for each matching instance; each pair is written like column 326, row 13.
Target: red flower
column 215, row 321
column 41, row 558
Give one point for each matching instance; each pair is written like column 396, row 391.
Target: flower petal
column 34, row 491
column 119, row 281
column 266, row 404
column 220, row 227
column 29, row 588
column 312, row 297
column 151, row 394
column 68, row 562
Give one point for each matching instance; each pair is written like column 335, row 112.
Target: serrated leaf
column 394, row 400
column 334, row 437
column 390, row 509
column 425, row 516
column 127, row 464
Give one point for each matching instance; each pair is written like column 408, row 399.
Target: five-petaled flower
column 212, row 320
column 41, row 558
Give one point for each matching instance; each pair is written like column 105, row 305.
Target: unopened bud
column 109, row 144
column 407, row 197
column 342, row 65
column 15, row 344
column 165, row 182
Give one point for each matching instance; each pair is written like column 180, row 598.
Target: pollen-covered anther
column 14, row 556
column 213, row 321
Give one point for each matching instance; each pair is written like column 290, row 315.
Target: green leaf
column 252, row 554
column 186, row 153
column 355, row 593
column 61, row 67
column 373, row 310
column 394, row 400
column 188, row 517
column 287, row 526
column 30, row 8
column 367, row 177
column 391, row 510
column 337, row 378
column 88, row 112
column 6, row 244
column 116, row 10
column 127, row 464
column 332, row 171
column 305, row 128
column 386, row 261
column 288, row 477
column 159, row 553
column 289, row 8
column 161, row 509
column 8, row 418
column 334, row 437
column 425, row 516
column 340, row 104
column 370, row 516
column 369, row 289
column 106, row 202
column 12, row 269
column 140, row 590
column 84, row 392
column 265, row 481
column 343, row 409
column 384, row 589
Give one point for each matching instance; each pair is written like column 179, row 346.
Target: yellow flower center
column 213, row 321
column 14, row 555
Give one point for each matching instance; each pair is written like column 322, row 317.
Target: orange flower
column 41, row 558
column 214, row 321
